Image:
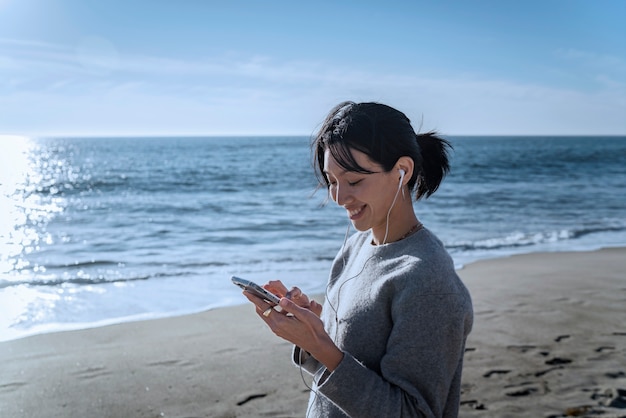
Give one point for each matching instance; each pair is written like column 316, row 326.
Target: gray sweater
column 401, row 315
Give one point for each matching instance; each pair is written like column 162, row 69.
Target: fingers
column 262, row 306
column 258, row 302
column 290, row 307
column 302, row 300
column 276, row 287
column 316, row 308
column 294, row 294
column 299, row 298
column 293, row 323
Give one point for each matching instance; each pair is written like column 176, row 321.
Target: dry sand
column 549, row 337
column 549, row 341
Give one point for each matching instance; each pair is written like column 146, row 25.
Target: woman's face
column 366, row 197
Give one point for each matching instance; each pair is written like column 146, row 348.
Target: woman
column 390, row 338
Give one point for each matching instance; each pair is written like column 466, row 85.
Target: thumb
column 291, row 307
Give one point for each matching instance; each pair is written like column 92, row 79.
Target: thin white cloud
column 593, row 59
column 47, row 87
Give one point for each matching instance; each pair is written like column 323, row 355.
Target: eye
column 354, row 183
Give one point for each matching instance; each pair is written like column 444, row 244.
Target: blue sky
column 156, row 67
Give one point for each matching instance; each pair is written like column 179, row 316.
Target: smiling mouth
column 354, row 213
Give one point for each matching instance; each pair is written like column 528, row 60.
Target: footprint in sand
column 521, row 348
column 474, row 404
column 522, row 392
column 558, row 361
column 10, row 387
column 171, row 363
column 248, row 398
column 542, row 372
column 91, row 372
column 611, row 397
column 495, row 372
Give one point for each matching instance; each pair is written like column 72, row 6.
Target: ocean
column 96, row 231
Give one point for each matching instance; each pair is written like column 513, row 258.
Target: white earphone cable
column 392, row 205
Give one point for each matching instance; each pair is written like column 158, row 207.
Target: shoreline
column 69, row 327
column 548, row 340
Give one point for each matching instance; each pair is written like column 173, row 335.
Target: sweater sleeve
column 424, row 355
column 305, row 360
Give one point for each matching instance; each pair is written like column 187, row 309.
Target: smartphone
column 256, row 289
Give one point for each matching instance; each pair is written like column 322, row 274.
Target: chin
column 360, row 227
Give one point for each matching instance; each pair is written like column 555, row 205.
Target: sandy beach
column 549, row 341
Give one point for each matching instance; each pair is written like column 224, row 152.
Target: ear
column 406, row 164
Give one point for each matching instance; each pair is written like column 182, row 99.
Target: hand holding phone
column 255, row 289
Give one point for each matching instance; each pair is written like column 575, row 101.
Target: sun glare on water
column 21, row 208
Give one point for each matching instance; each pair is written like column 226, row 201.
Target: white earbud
column 402, row 173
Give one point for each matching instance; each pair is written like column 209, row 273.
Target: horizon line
column 283, row 135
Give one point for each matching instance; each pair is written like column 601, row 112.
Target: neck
column 401, row 224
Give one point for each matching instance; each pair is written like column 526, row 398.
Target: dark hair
column 384, row 134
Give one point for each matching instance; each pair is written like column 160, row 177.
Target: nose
column 340, row 195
